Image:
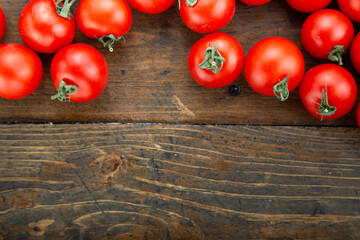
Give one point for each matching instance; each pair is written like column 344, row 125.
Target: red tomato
column 43, row 29
column 328, row 91
column 358, row 115
column 255, row 2
column 151, row 6
column 327, row 33
column 355, row 53
column 274, row 67
column 351, row 8
column 79, row 72
column 308, row 6
column 21, row 71
column 105, row 20
column 2, row 24
column 216, row 60
column 205, row 16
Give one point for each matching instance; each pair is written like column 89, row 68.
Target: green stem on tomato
column 109, row 41
column 63, row 7
column 64, row 92
column 213, row 60
column 324, row 108
column 281, row 90
column 189, row 3
column 336, row 54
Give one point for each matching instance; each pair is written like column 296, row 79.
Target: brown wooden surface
column 149, row 79
column 179, row 182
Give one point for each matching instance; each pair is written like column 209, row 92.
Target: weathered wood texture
column 149, row 79
column 179, row 182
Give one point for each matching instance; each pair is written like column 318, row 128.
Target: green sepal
column 64, row 92
column 213, row 60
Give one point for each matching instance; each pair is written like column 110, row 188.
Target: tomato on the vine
column 355, row 53
column 2, row 24
column 21, row 71
column 351, row 8
column 46, row 26
column 327, row 34
column 105, row 20
column 205, row 16
column 79, row 73
column 216, row 60
column 255, row 2
column 151, row 6
column 328, row 91
column 308, row 6
column 274, row 67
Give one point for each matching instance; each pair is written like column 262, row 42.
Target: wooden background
column 157, row 156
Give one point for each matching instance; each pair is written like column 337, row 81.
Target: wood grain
column 149, row 79
column 178, row 182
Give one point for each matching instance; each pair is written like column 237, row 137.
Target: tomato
column 355, row 53
column 105, row 20
column 43, row 29
column 151, row 6
column 351, row 8
column 79, row 73
column 274, row 67
column 327, row 33
column 205, row 16
column 358, row 115
column 308, row 6
column 2, row 24
column 328, row 91
column 216, row 60
column 255, row 2
column 21, row 71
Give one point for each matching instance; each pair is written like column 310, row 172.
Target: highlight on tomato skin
column 350, row 8
column 216, row 60
column 207, row 16
column 151, row 6
column 254, row 2
column 21, row 71
column 308, row 6
column 328, row 91
column 2, row 24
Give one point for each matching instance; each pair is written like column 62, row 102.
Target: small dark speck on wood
column 234, row 90
column 165, row 73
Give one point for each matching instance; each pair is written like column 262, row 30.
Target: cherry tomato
column 216, row 60
column 351, row 8
column 308, row 6
column 43, row 29
column 328, row 91
column 358, row 115
column 327, row 33
column 355, row 53
column 79, row 73
column 274, row 67
column 21, row 71
column 151, row 6
column 105, row 20
column 205, row 16
column 2, row 24
column 255, row 2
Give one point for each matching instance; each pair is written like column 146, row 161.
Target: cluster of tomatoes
column 274, row 66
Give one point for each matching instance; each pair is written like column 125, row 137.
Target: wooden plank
column 178, row 182
column 149, row 79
